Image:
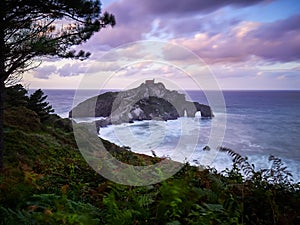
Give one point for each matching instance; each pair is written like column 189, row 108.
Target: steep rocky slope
column 147, row 102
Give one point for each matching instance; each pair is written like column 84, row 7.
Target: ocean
column 259, row 124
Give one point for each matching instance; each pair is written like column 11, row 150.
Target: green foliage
column 38, row 104
column 31, row 30
column 15, row 96
column 51, row 209
column 127, row 205
column 26, row 120
column 173, row 198
column 277, row 174
column 17, row 99
column 267, row 193
column 46, row 181
column 46, row 28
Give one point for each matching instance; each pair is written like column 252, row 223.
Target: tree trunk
column 2, row 80
column 1, row 123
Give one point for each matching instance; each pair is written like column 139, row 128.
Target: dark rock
column 206, row 148
column 98, row 106
column 103, row 122
column 149, row 101
column 204, row 109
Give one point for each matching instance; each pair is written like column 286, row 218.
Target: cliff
column 146, row 102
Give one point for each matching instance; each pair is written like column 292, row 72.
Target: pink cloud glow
column 233, row 45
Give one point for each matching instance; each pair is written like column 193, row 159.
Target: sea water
column 259, row 124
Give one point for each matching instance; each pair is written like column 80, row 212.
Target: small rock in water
column 206, row 148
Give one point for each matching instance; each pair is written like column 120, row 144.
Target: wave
column 163, row 137
column 87, row 119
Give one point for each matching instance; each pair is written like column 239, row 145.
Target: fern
column 144, row 200
column 127, row 205
column 10, row 217
column 240, row 161
column 277, row 174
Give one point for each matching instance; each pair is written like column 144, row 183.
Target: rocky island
column 149, row 101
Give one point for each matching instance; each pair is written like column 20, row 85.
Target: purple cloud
column 71, row 69
column 134, row 17
column 277, row 41
column 44, row 72
column 223, row 39
column 188, row 6
column 278, row 28
column 274, row 42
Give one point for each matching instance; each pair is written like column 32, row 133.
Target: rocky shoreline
column 149, row 101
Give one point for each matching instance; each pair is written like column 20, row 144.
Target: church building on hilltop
column 149, row 82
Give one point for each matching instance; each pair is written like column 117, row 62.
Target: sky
column 242, row 44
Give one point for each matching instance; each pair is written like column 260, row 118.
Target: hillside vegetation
column 46, row 181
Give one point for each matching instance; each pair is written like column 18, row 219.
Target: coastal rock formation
column 149, row 101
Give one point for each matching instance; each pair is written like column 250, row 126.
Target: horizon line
column 174, row 89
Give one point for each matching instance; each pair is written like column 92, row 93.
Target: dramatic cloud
column 136, row 18
column 278, row 41
column 187, row 6
column 44, row 72
column 69, row 69
column 199, row 26
column 275, row 42
column 246, row 43
column 66, row 69
column 202, row 27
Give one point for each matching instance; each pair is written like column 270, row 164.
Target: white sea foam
column 87, row 119
column 258, row 125
column 163, row 138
